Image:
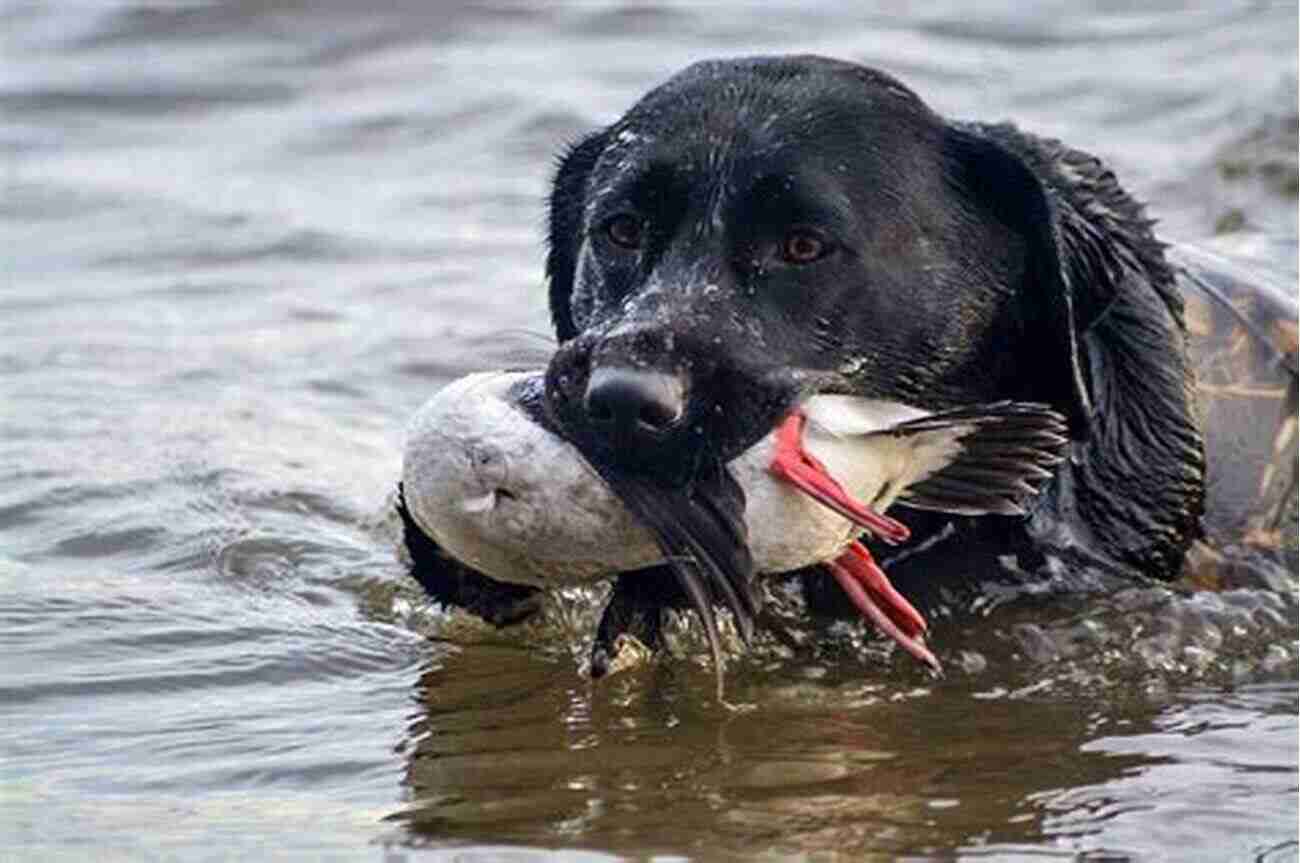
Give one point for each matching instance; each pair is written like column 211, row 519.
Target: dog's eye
column 625, row 230
column 802, row 246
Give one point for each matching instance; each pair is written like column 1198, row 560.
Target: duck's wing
column 844, row 416
column 701, row 529
column 985, row 459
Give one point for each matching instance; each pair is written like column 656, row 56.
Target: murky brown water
column 244, row 240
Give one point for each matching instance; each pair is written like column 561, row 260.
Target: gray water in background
column 244, row 240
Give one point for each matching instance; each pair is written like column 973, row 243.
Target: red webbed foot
column 872, row 594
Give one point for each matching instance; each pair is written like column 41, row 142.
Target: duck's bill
column 798, row 467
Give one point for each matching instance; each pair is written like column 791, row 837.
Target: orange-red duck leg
column 857, row 572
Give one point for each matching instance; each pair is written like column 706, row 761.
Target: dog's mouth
column 673, row 417
column 661, row 433
column 698, row 524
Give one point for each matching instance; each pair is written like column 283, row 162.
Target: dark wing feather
column 1005, row 452
column 702, row 527
column 701, row 530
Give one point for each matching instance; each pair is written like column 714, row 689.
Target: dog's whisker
column 522, row 331
column 508, row 346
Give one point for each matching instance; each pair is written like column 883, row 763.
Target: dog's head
column 758, row 229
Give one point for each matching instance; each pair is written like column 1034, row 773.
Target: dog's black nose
column 634, row 405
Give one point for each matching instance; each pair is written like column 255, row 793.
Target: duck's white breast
column 787, row 529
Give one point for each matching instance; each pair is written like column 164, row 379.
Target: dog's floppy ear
column 568, row 195
column 1061, row 297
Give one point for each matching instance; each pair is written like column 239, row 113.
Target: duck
column 488, row 479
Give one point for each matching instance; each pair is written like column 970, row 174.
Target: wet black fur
column 969, row 263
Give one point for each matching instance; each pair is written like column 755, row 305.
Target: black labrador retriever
column 758, row 229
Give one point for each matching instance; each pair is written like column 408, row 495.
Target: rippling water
column 244, row 240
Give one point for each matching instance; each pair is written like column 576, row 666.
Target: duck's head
column 505, row 496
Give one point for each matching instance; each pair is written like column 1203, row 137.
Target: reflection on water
column 510, row 746
column 246, row 239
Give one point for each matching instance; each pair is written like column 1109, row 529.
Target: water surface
column 245, row 240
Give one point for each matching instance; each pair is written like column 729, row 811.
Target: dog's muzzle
column 624, row 399
column 636, row 406
column 656, row 402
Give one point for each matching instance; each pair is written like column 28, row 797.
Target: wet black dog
column 758, row 229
